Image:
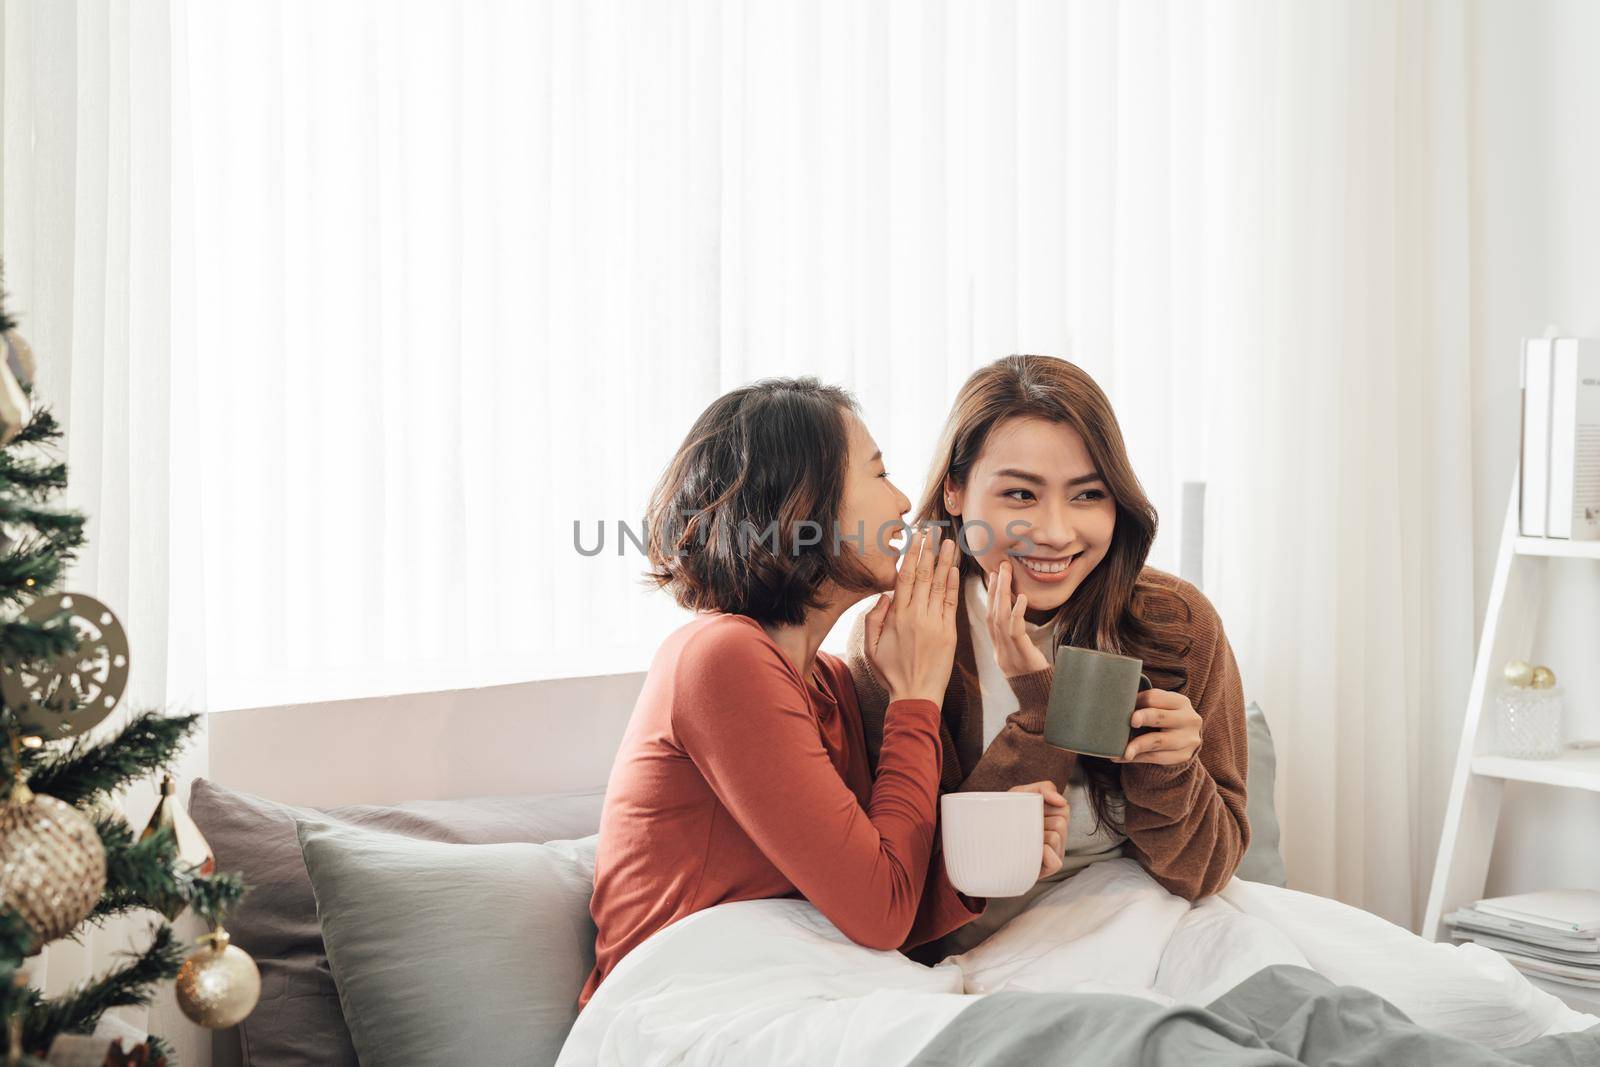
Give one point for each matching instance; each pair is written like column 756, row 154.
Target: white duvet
column 773, row 982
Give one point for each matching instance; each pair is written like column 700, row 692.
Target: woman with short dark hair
column 743, row 773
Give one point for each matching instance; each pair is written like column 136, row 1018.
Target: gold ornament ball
column 218, row 984
column 52, row 864
column 1543, row 678
column 1519, row 672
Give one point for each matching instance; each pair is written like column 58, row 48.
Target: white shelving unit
column 1476, row 788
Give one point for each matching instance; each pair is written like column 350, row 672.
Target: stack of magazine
column 1553, row 934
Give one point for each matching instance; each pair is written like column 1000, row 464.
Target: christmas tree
column 68, row 860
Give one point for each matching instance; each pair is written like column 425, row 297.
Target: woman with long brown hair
column 1033, row 479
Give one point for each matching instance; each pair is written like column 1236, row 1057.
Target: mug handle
column 1144, row 683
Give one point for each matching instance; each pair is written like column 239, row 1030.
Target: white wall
column 1536, row 261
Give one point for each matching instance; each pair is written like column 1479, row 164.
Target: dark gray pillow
column 448, row 953
column 298, row 1020
column 1262, row 862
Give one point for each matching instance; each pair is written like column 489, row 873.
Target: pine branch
column 60, row 528
column 16, row 938
column 78, row 1011
column 41, row 429
column 149, row 874
column 6, row 321
column 30, row 567
column 37, row 476
column 23, row 641
column 149, row 742
column 138, row 873
column 212, row 896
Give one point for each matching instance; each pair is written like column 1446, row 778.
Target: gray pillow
column 449, row 953
column 298, row 1020
column 1262, row 861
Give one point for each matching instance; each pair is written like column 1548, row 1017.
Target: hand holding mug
column 911, row 632
column 1174, row 729
column 1056, row 812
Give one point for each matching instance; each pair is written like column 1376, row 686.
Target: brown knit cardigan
column 1186, row 824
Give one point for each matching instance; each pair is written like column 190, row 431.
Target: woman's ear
column 954, row 496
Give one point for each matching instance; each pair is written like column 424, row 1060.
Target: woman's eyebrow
column 1026, row 476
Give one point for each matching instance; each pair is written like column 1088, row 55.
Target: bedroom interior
column 371, row 330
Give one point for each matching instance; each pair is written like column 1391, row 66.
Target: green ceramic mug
column 1091, row 701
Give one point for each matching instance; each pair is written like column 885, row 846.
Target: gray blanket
column 1280, row 1015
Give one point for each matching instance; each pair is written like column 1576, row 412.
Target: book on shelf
column 1587, row 978
column 1496, row 926
column 1588, row 988
column 1580, row 969
column 1587, row 961
column 1553, row 934
column 1535, row 496
column 1574, row 469
column 1570, row 911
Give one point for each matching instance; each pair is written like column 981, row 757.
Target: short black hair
column 745, row 517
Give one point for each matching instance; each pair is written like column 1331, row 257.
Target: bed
column 760, row 981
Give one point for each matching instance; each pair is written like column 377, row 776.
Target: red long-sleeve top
column 739, row 780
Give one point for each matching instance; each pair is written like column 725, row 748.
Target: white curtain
column 355, row 309
column 1334, row 323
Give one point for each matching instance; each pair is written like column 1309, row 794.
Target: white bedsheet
column 773, row 982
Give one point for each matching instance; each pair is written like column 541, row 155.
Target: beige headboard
column 536, row 737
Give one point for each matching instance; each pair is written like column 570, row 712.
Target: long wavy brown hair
column 1117, row 608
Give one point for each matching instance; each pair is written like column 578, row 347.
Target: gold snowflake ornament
column 71, row 693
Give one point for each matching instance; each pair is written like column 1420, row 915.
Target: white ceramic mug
column 993, row 842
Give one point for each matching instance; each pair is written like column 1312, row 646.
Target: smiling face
column 1047, row 509
column 870, row 503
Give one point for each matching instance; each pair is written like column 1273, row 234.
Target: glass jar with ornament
column 1527, row 711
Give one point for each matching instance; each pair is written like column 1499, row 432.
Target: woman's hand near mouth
column 911, row 632
column 1008, row 629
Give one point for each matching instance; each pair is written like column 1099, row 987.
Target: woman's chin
column 1046, row 596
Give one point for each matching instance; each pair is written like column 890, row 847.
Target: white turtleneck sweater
column 1084, row 844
